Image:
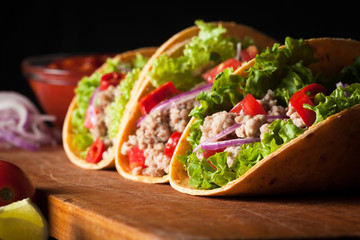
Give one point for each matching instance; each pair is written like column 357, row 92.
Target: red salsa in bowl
column 54, row 77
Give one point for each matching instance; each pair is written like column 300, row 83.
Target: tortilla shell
column 67, row 134
column 174, row 48
column 324, row 158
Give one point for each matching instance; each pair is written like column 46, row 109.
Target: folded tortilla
column 173, row 47
column 67, row 132
column 325, row 157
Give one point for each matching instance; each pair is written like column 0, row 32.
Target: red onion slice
column 91, row 107
column 228, row 143
column 218, row 136
column 21, row 123
column 271, row 118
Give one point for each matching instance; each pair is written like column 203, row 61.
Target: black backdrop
column 45, row 27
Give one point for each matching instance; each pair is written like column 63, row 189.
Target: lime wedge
column 22, row 220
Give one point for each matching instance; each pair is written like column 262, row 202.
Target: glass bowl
column 54, row 77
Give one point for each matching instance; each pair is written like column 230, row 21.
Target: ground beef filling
column 251, row 127
column 153, row 134
column 103, row 99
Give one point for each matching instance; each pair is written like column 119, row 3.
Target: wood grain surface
column 89, row 204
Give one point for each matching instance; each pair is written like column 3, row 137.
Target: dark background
column 43, row 27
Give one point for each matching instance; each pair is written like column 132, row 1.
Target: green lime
column 22, row 220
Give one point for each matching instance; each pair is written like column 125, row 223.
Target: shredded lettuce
column 339, row 100
column 207, row 49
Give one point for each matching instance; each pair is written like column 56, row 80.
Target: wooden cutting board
column 88, row 204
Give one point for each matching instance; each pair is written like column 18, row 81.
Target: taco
column 95, row 113
column 286, row 123
column 180, row 69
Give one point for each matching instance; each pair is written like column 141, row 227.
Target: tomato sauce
column 53, row 79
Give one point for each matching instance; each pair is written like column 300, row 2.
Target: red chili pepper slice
column 94, row 155
column 110, row 79
column 249, row 106
column 210, row 75
column 156, row 96
column 136, row 158
column 172, row 143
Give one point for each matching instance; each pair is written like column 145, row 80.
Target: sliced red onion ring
column 140, row 120
column 271, row 118
column 228, row 143
column 218, row 136
column 91, row 107
column 22, row 125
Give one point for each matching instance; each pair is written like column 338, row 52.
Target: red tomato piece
column 248, row 106
column 136, row 158
column 297, row 101
column 210, row 75
column 156, row 96
column 14, row 184
column 171, row 144
column 209, row 153
column 110, row 79
column 306, row 96
column 249, row 53
column 313, row 89
column 94, row 155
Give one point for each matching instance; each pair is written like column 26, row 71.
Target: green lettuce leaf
column 339, row 100
column 116, row 109
column 207, row 49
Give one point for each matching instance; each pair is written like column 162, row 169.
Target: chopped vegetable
column 172, row 143
column 21, row 123
column 210, row 75
column 228, row 143
column 95, row 152
column 156, row 96
column 110, row 79
column 306, row 96
column 136, row 158
column 90, row 114
column 249, row 106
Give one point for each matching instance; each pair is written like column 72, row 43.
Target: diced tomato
column 210, row 75
column 94, row 155
column 172, row 143
column 313, row 89
column 136, row 157
column 209, row 153
column 248, row 106
column 306, row 96
column 110, row 79
column 156, row 96
column 249, row 53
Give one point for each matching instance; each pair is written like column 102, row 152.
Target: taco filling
column 177, row 82
column 101, row 100
column 256, row 115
